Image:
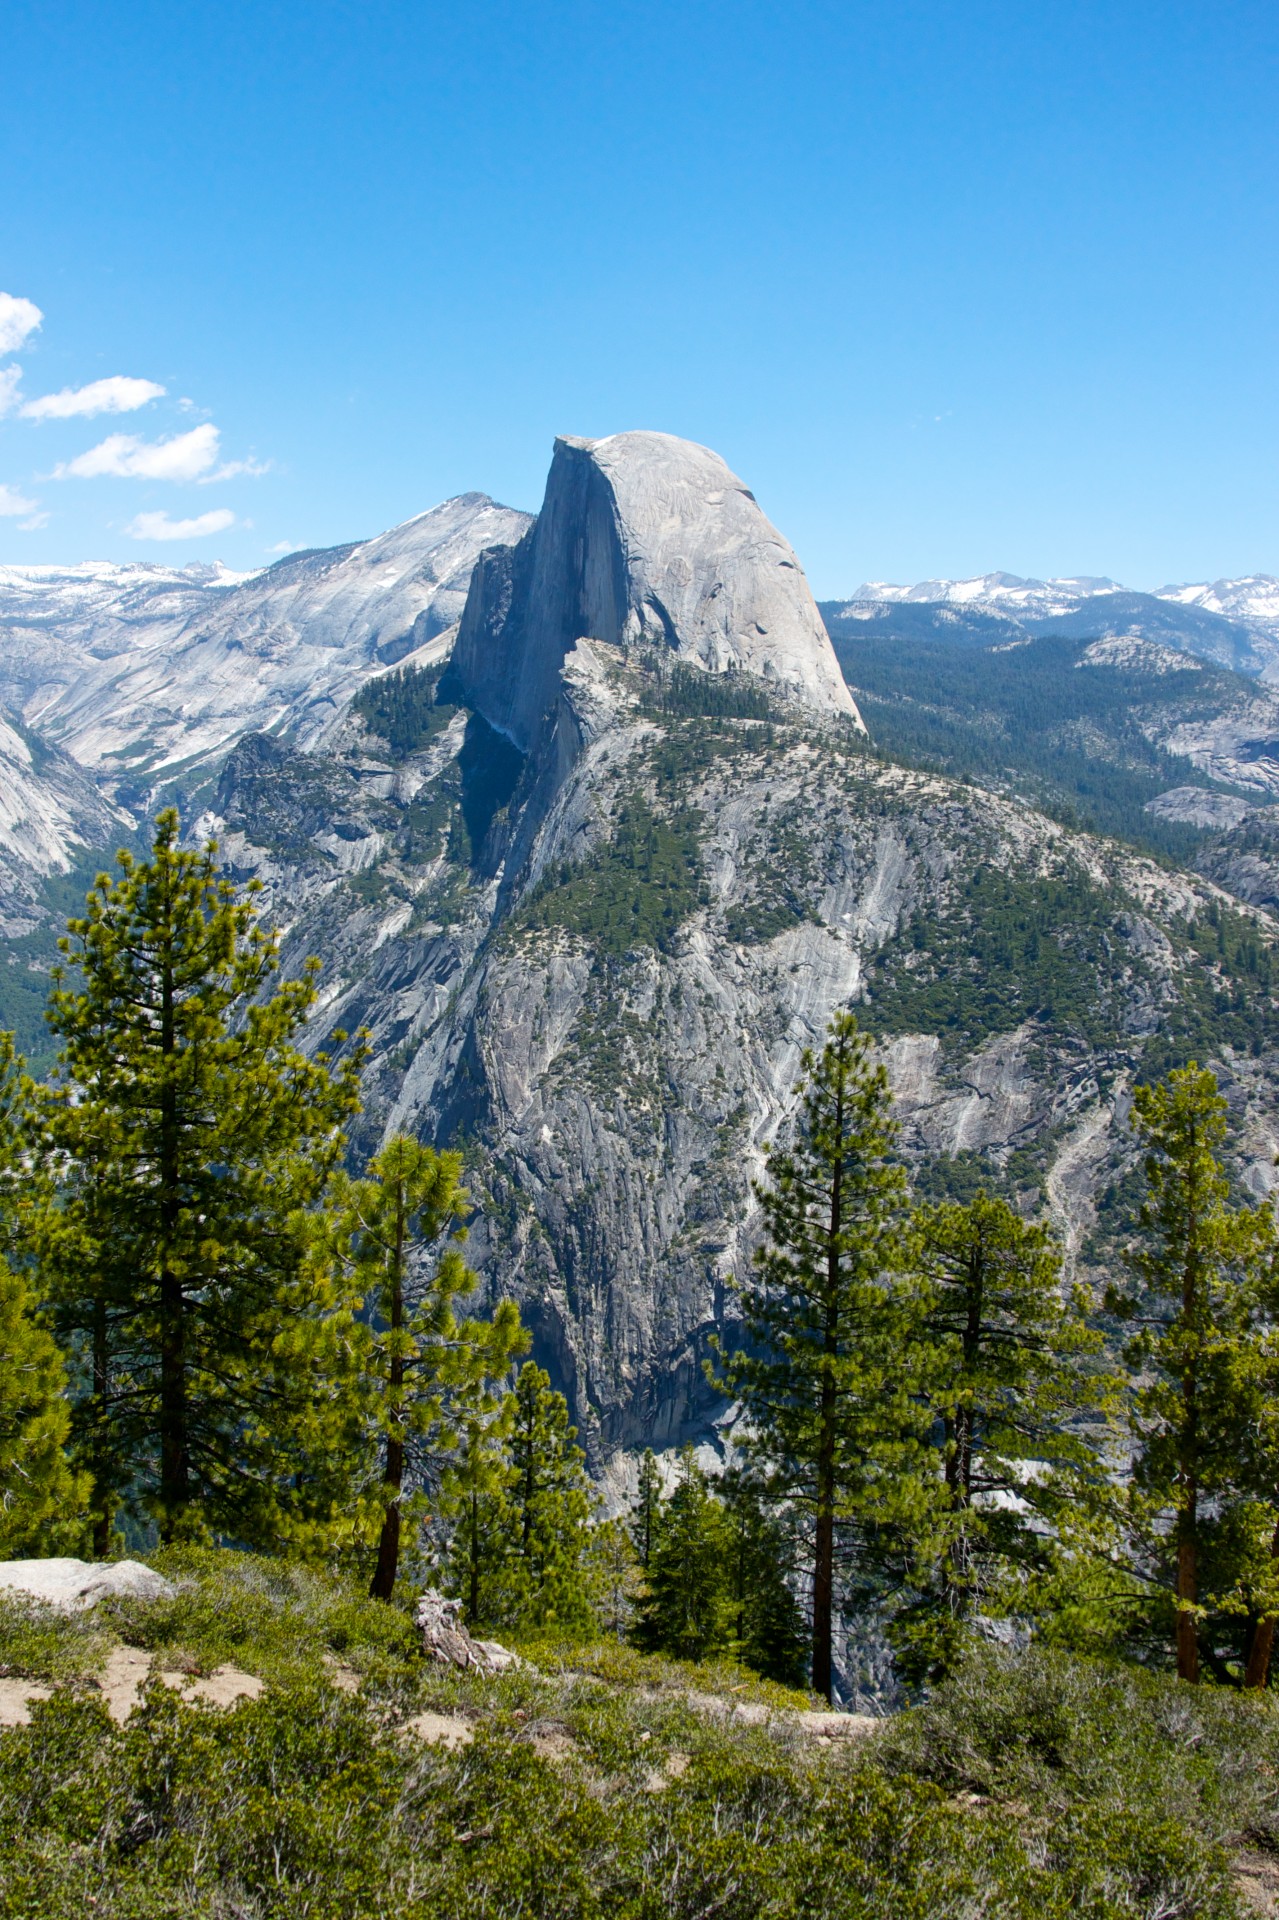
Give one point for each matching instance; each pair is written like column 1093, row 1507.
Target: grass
column 596, row 1785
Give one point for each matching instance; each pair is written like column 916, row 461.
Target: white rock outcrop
column 642, row 537
column 76, row 1584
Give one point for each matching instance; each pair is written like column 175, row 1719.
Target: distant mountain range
column 1232, row 622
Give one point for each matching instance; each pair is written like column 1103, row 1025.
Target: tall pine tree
column 1008, row 1369
column 431, row 1382
column 189, row 1136
column 1205, row 1408
column 828, row 1403
column 686, row 1608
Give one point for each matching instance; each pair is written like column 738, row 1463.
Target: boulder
column 76, row 1584
column 642, row 538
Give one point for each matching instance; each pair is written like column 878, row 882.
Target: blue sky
column 952, row 286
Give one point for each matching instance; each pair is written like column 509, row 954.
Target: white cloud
column 184, row 457
column 281, row 546
column 12, row 503
column 34, row 524
column 119, row 393
column 18, row 319
column 158, row 526
column 10, row 381
column 230, row 468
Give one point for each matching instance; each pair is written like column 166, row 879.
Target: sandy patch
column 15, row 1701
column 441, row 1729
column 122, row 1680
column 221, row 1688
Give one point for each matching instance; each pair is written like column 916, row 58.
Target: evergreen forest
column 1047, row 1519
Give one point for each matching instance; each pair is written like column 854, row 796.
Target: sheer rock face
column 642, row 538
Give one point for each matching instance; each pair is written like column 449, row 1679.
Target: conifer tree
column 769, row 1630
column 1206, row 1405
column 431, row 1382
column 827, row 1311
column 647, row 1510
column 686, row 1609
column 551, row 1504
column 42, row 1497
column 1007, row 1368
column 189, row 1136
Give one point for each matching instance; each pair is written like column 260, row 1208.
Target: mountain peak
column 642, row 537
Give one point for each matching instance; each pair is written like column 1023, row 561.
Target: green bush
column 1023, row 1789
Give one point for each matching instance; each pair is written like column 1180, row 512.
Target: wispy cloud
column 230, row 468
column 34, row 524
column 281, row 546
column 13, row 503
column 10, row 381
column 119, row 393
column 158, row 526
column 18, row 321
column 186, row 456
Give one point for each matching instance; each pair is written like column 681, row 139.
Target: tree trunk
column 1257, row 1672
column 103, row 1504
column 473, row 1596
column 175, row 1465
column 1188, row 1462
column 824, row 1541
column 382, row 1585
column 1187, row 1591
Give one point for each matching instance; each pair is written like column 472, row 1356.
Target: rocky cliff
column 594, row 884
column 606, row 1000
column 643, row 539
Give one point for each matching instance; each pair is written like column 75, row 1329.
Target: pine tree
column 647, row 1510
column 1205, row 1410
column 823, row 1386
column 189, row 1136
column 686, row 1609
column 42, row 1497
column 1008, row 1369
column 431, row 1383
column 551, row 1504
column 769, row 1629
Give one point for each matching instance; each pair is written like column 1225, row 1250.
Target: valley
column 595, row 847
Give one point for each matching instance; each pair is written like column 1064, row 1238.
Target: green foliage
column 830, row 1410
column 684, row 1609
column 1204, row 1505
column 769, row 1631
column 693, row 692
column 1099, row 1793
column 42, row 1498
column 1068, row 737
column 423, row 1381
column 1068, row 1736
column 635, row 890
column 1008, row 1369
column 185, row 1136
column 646, row 1514
column 522, row 1553
column 403, row 708
column 715, row 1564
column 1010, row 948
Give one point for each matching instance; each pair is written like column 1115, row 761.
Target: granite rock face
column 643, row 539
column 134, row 671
